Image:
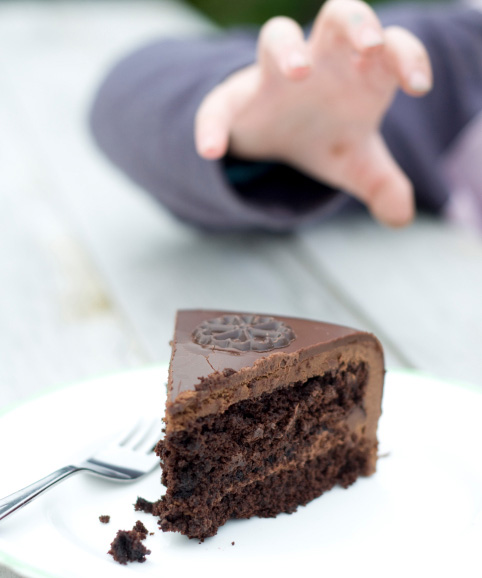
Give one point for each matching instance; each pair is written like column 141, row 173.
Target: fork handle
column 17, row 500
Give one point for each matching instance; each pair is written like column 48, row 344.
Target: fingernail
column 419, row 81
column 357, row 18
column 298, row 60
column 371, row 38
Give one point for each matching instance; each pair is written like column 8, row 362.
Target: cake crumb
column 141, row 529
column 143, row 505
column 127, row 546
column 104, row 519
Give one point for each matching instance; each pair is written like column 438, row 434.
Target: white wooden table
column 92, row 271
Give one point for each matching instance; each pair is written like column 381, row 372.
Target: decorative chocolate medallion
column 243, row 333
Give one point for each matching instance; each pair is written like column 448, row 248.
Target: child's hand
column 318, row 104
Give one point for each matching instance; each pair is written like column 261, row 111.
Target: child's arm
column 144, row 115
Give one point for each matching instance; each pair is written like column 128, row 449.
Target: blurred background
column 248, row 11
column 256, row 12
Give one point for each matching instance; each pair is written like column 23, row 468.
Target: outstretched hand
column 317, row 104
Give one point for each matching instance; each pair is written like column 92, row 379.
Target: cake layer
column 255, row 437
column 280, row 492
column 274, row 371
column 218, row 456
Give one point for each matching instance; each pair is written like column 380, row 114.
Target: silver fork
column 128, row 458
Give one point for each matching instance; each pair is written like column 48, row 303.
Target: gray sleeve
column 419, row 131
column 143, row 117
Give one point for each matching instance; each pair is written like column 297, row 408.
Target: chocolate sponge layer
column 266, row 455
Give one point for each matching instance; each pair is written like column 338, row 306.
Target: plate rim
column 52, row 389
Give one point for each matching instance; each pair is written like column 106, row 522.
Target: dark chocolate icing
column 191, row 363
column 243, row 332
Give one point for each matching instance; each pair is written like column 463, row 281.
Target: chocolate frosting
column 192, row 364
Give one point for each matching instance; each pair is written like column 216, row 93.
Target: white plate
column 421, row 513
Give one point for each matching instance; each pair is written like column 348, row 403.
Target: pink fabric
column 462, row 166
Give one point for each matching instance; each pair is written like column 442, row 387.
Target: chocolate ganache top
column 206, row 342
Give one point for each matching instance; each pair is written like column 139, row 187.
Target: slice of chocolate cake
column 264, row 414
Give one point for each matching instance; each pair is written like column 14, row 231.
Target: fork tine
column 136, row 434
column 126, row 437
column 136, row 439
column 151, row 437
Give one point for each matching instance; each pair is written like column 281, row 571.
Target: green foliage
column 257, row 11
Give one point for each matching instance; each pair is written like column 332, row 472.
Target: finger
column 211, row 133
column 376, row 179
column 217, row 111
column 409, row 60
column 351, row 21
column 282, row 48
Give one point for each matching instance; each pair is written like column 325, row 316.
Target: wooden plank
column 421, row 288
column 58, row 321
